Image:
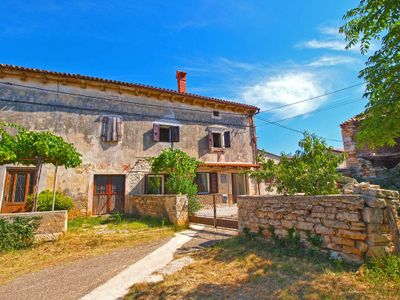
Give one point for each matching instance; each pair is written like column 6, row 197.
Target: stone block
column 362, row 246
column 287, row 224
column 375, row 202
column 321, row 229
column 352, row 250
column 354, row 235
column 378, row 239
column 342, row 241
column 378, row 251
column 372, row 215
column 347, row 216
column 305, row 226
column 341, row 225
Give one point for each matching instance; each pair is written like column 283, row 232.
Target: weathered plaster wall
column 171, row 207
column 52, row 223
column 77, row 119
column 351, row 225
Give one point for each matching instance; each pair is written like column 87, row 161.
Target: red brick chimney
column 181, row 77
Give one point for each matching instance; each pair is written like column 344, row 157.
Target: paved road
column 75, row 279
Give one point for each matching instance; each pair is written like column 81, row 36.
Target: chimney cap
column 180, row 74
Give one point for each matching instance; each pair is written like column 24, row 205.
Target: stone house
column 365, row 163
column 117, row 126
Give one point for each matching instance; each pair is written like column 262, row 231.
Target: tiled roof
column 127, row 84
column 354, row 119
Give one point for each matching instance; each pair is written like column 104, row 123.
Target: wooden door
column 18, row 185
column 239, row 186
column 109, row 194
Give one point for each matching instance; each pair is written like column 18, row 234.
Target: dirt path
column 75, row 279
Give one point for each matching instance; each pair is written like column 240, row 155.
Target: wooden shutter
column 103, row 133
column 210, row 140
column 114, row 136
column 156, row 132
column 213, row 183
column 227, row 139
column 119, row 129
column 175, row 134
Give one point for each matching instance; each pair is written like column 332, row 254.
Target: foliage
column 378, row 22
column 18, row 233
column 312, row 170
column 381, row 269
column 45, row 201
column 266, row 172
column 27, row 147
column 180, row 169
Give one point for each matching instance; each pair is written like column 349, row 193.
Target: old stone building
column 365, row 163
column 117, row 126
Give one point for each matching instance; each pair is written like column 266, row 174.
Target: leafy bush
column 45, row 201
column 18, row 233
column 180, row 169
column 311, row 170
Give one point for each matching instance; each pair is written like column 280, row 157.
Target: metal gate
column 216, row 214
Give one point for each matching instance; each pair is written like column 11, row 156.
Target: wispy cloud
column 329, row 44
column 329, row 61
column 286, row 88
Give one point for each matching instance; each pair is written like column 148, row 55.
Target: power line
column 340, row 104
column 293, row 129
column 312, row 98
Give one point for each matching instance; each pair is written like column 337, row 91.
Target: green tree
column 266, row 171
column 36, row 148
column 378, row 21
column 180, row 169
column 311, row 170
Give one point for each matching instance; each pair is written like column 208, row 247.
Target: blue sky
column 266, row 53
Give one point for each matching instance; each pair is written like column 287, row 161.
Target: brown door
column 109, row 194
column 19, row 184
column 239, row 186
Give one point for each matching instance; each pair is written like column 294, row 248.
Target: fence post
column 215, row 212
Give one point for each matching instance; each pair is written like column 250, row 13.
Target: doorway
column 109, row 194
column 239, row 186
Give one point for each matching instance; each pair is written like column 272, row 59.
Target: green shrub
column 379, row 269
column 45, row 201
column 18, row 233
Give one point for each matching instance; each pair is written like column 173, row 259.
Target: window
column 216, row 114
column 203, row 183
column 165, row 133
column 218, row 139
column 111, row 129
column 217, row 143
column 154, row 184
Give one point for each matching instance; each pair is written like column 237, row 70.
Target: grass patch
column 240, row 268
column 86, row 237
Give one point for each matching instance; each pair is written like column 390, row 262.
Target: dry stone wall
column 352, row 225
column 52, row 223
column 171, row 207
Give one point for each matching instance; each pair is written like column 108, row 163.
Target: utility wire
column 309, row 99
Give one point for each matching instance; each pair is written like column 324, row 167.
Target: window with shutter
column 165, row 133
column 111, row 129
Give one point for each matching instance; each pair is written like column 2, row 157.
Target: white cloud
column 329, row 30
column 330, row 44
column 286, row 88
column 328, row 61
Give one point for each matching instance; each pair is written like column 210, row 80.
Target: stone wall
column 171, row 207
column 352, row 225
column 52, row 223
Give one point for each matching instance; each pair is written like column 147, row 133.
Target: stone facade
column 352, row 225
column 72, row 106
column 171, row 207
column 364, row 163
column 52, row 223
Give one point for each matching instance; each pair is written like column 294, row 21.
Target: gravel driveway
column 76, row 279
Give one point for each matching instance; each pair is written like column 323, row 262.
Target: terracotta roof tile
column 127, row 84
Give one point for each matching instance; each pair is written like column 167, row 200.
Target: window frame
column 169, row 128
column 214, row 116
column 162, row 183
